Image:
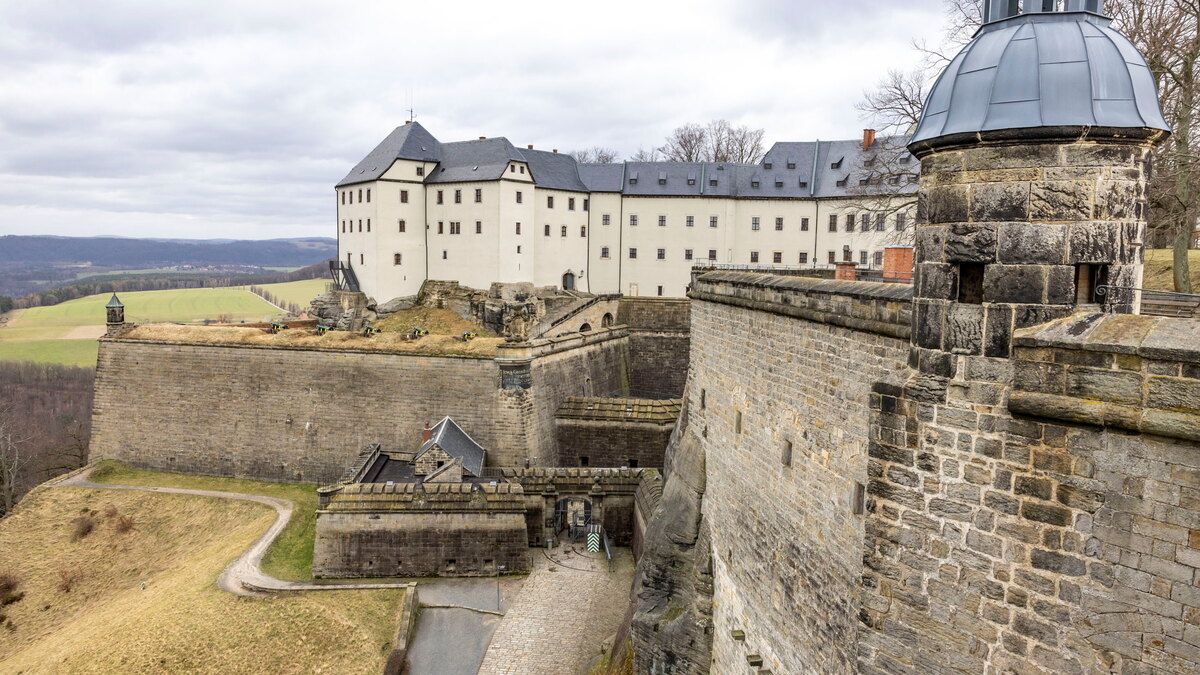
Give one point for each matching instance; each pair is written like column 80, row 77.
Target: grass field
column 32, row 334
column 299, row 292
column 85, row 609
column 290, row 557
column 1158, row 273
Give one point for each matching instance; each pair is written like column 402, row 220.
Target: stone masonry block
column 1104, row 385
column 929, row 244
column 1028, row 243
column 998, row 331
column 1095, row 243
column 928, row 322
column 1060, row 285
column 1118, row 200
column 964, row 329
column 999, row 201
column 936, row 280
column 1060, row 200
column 946, row 204
column 971, row 243
column 1014, row 283
column 1174, row 393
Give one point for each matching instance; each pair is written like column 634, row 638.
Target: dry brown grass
column 67, row 579
column 1158, row 272
column 82, row 526
column 392, row 342
column 180, row 622
column 436, row 321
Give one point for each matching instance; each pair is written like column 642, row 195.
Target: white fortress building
column 484, row 211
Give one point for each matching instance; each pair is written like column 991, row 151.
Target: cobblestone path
column 566, row 610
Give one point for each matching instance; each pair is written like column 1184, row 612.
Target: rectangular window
column 900, row 221
column 970, row 283
column 691, row 221
column 604, row 252
column 833, row 222
column 549, row 201
column 877, row 257
column 737, row 422
column 632, row 253
column 850, row 222
column 518, row 249
column 395, row 258
column 343, row 226
column 786, row 458
column 444, row 255
column 478, row 227
column 570, row 203
column 804, row 258
column 343, row 193
column 662, row 254
column 404, row 196
column 865, row 222
column 862, row 258
column 779, row 223
column 546, row 230
column 522, row 166
column 512, row 168
column 847, row 254
column 478, row 195
column 518, row 228
column 662, row 221
column 368, row 195
column 439, row 197
column 368, row 224
column 777, row 257
column 660, row 291
column 360, row 224
column 458, row 196
column 402, row 224
column 361, row 259
column 583, row 230
column 832, row 257
column 804, row 224
column 456, row 227
column 586, row 204
column 879, row 222
column 420, row 171
column 687, row 254
column 632, row 220
column 753, row 256
column 441, row 227
column 564, row 231
column 712, row 254
column 712, row 221
column 754, row 223
column 518, row 196
column 606, row 219
column 360, row 195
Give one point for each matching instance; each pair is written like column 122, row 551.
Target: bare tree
column 12, row 459
column 595, row 155
column 644, row 155
column 741, row 145
column 686, row 144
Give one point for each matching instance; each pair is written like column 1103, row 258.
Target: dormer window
column 512, row 168
column 837, row 164
column 754, row 183
column 842, row 182
column 712, row 182
column 791, row 163
column 864, row 181
column 662, row 177
column 420, row 171
column 778, row 182
column 633, row 177
column 803, row 183
column 767, row 165
column 692, row 178
column 870, row 161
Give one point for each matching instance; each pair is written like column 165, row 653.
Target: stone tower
column 1034, row 145
column 116, row 315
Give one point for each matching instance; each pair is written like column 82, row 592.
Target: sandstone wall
column 780, row 409
column 659, row 345
column 283, row 414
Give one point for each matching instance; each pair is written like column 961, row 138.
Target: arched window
column 606, row 320
column 585, row 328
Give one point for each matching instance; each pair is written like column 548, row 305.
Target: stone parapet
column 879, row 308
column 431, row 497
column 1133, row 372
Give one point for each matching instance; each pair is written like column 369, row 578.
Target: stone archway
column 606, row 320
column 568, row 281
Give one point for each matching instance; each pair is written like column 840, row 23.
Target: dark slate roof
column 485, row 159
column 620, row 409
column 450, row 437
column 410, row 141
column 602, row 177
column 554, row 170
column 1043, row 70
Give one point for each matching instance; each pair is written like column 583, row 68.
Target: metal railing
column 343, row 276
column 1154, row 302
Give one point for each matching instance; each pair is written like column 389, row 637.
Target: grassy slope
column 67, row 352
column 1159, row 266
column 181, row 621
column 290, row 557
column 299, row 292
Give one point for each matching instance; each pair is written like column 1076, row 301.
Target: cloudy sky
column 234, row 118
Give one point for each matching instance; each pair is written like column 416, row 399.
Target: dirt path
column 243, row 576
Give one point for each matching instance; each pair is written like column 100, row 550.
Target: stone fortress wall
column 658, row 344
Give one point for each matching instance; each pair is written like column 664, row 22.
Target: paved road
column 566, row 610
column 458, row 617
column 243, row 576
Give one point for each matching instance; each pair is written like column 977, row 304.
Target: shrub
column 82, row 526
column 67, row 579
column 111, row 511
column 8, row 584
column 123, row 524
column 11, row 598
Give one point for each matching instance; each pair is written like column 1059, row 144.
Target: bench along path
column 243, row 576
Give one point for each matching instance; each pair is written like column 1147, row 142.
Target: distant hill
column 30, row 264
column 132, row 253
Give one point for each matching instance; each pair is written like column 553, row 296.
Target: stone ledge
column 1152, row 337
column 885, row 309
column 1168, row 423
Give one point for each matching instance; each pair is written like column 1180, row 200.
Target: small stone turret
column 1035, row 147
column 116, row 316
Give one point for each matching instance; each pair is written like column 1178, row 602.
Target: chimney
column 868, row 138
column 530, row 146
column 555, row 150
column 426, row 433
column 408, row 121
column 483, row 138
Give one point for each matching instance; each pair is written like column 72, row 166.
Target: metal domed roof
column 114, row 302
column 1043, row 69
